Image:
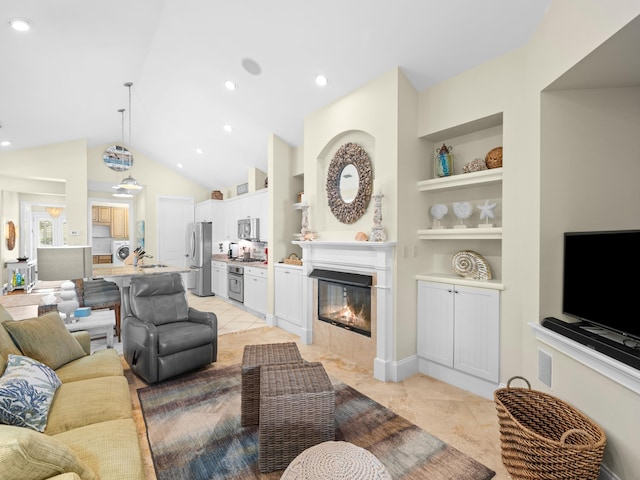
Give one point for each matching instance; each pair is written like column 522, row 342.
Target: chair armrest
column 140, row 347
column 208, row 318
column 84, row 339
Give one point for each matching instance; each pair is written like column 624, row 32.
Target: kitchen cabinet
column 458, row 331
column 212, row 211
column 101, row 215
column 102, row 259
column 253, row 205
column 255, row 289
column 219, row 279
column 119, row 222
column 288, row 297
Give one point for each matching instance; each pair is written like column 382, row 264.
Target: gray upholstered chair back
column 159, row 299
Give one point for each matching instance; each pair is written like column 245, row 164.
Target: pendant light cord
column 129, row 85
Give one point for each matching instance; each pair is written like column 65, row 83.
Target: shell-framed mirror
column 349, row 183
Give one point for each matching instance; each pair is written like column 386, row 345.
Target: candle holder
column 377, row 231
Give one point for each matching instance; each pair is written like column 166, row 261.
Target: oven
column 235, row 275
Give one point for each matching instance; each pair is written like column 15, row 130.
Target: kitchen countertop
column 225, row 259
column 110, row 270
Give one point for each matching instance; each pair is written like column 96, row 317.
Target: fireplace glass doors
column 344, row 300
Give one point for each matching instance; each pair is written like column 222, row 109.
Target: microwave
column 249, row 229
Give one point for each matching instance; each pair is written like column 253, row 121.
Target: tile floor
column 463, row 420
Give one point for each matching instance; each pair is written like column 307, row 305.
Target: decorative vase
column 443, row 161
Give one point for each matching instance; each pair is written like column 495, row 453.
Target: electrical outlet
column 74, row 233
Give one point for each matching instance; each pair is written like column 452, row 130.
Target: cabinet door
column 215, row 278
column 255, row 289
column 435, row 322
column 104, row 214
column 94, row 215
column 477, row 332
column 119, row 223
column 231, row 216
column 288, row 295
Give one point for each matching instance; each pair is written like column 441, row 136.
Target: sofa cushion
column 27, row 388
column 110, row 449
column 30, row 455
column 89, row 401
column 46, row 339
column 102, row 363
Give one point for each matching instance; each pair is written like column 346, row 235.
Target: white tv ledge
column 619, row 372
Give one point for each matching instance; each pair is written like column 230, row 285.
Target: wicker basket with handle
column 543, row 437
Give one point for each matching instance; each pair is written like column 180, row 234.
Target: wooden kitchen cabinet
column 119, row 222
column 101, row 215
column 102, row 259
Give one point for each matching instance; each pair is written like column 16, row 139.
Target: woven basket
column 543, row 437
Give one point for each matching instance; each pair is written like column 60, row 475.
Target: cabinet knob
column 456, row 291
column 450, row 291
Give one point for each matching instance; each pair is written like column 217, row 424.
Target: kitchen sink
column 154, row 265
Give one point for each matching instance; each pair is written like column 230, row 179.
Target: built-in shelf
column 457, row 280
column 464, row 128
column 462, row 180
column 611, row 368
column 469, row 233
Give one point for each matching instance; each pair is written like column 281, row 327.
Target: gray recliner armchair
column 161, row 335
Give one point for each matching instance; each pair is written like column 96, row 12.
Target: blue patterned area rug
column 193, row 427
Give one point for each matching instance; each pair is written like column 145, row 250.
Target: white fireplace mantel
column 369, row 258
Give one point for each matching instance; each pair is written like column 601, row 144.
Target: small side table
column 99, row 319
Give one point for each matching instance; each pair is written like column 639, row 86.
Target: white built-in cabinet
column 212, row 211
column 253, row 205
column 255, row 289
column 459, row 335
column 219, row 278
column 288, row 297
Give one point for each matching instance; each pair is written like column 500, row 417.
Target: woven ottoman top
column 270, row 354
column 336, row 460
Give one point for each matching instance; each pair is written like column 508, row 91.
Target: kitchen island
column 121, row 274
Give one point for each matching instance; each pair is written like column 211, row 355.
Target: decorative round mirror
column 349, row 182
column 117, row 158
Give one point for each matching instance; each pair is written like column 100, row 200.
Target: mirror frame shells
column 349, row 153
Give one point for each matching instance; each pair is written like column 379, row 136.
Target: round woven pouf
column 336, row 460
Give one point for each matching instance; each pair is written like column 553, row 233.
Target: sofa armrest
column 84, row 339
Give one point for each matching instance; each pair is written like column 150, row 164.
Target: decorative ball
column 494, row 158
column 362, row 237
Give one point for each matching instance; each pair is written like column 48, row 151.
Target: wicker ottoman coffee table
column 254, row 357
column 331, row 460
column 297, row 411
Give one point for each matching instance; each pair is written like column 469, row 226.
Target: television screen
column 601, row 284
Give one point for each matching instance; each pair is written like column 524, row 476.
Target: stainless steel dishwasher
column 236, row 283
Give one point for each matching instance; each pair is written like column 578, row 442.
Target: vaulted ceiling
column 64, row 79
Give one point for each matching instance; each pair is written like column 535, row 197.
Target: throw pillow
column 27, row 388
column 46, row 339
column 30, row 455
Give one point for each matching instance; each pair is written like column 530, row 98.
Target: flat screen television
column 601, row 283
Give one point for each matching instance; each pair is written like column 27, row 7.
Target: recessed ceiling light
column 179, row 165
column 199, row 151
column 228, row 128
column 20, row 24
column 251, row 66
column 321, row 80
column 230, row 85
column 5, row 143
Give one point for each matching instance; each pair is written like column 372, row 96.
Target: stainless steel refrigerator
column 200, row 245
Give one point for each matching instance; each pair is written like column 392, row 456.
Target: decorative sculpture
column 470, row 264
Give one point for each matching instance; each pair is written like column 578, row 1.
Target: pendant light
column 122, row 192
column 129, row 183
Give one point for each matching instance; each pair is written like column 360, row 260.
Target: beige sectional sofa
column 89, row 432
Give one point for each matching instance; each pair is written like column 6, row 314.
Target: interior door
column 174, row 216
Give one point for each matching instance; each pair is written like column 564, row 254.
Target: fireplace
column 344, row 300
